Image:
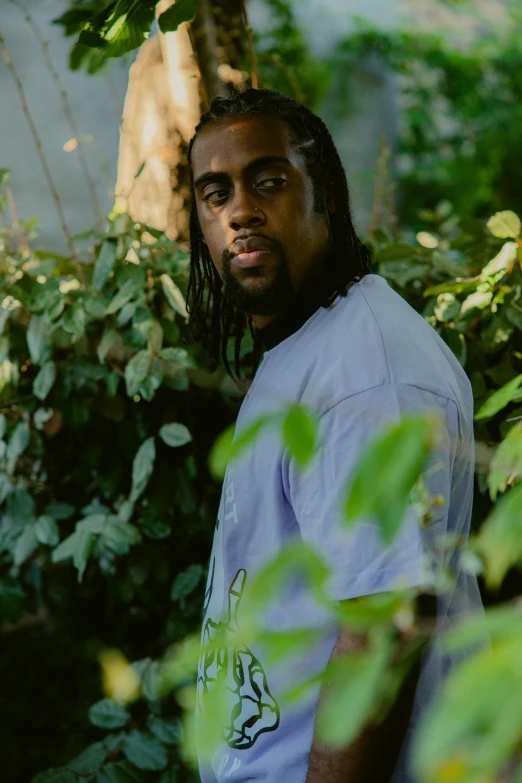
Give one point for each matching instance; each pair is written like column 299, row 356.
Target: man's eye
column 215, row 195
column 277, row 180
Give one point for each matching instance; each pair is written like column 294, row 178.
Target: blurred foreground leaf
column 396, row 459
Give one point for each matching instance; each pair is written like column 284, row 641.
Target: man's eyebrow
column 216, row 176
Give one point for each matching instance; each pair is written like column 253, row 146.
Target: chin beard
column 271, row 299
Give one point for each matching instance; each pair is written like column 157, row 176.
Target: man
column 272, row 241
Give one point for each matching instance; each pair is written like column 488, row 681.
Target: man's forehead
column 239, row 140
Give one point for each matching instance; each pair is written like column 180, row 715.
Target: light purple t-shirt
column 365, row 361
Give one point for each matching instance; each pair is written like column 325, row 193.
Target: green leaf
column 186, row 582
column 66, row 549
column 167, row 731
column 505, row 225
column 143, row 374
column 396, row 253
column 77, row 546
column 55, row 775
column 41, row 416
column 12, row 599
column 60, row 510
column 299, row 432
column 479, row 299
column 110, row 339
column 181, row 11
column 506, row 464
column 44, row 381
column 120, row 536
column 128, row 26
column 173, row 294
column 46, row 530
column 447, row 307
column 397, row 458
column 474, row 726
column 104, row 264
column 89, row 760
column 83, row 548
column 142, row 468
column 499, row 399
column 155, row 338
column 139, row 171
column 500, row 538
column 175, row 434
column 4, row 317
column 5, row 486
column 93, row 523
column 355, row 682
column 18, row 443
column 229, row 446
column 38, row 339
column 501, row 262
column 25, row 545
column 128, row 290
column 4, row 176
column 450, row 287
column 120, row 772
column 145, row 751
column 73, row 320
column 108, row 714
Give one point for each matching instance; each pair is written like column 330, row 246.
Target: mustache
column 275, row 244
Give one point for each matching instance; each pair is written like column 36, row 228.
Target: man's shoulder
column 373, row 338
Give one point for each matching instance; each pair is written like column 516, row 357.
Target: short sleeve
column 361, row 564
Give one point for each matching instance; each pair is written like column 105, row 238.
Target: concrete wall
column 96, row 102
column 356, row 128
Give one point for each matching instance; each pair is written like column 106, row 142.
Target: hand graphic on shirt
column 253, row 709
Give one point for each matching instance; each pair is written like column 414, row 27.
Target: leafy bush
column 459, row 111
column 106, row 422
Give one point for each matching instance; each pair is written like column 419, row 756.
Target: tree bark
column 162, row 108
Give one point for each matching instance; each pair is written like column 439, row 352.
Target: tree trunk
column 162, row 107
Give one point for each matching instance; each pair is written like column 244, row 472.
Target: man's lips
column 251, row 257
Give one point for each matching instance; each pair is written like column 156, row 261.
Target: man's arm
column 373, row 755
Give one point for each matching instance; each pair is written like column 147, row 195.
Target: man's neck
column 277, row 328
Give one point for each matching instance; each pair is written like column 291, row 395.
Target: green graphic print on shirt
column 253, row 709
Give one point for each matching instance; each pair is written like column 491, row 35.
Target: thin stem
column 204, row 92
column 21, row 239
column 290, row 75
column 115, row 94
column 43, row 160
column 253, row 59
column 66, row 106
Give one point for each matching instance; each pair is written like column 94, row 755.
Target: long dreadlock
column 350, row 261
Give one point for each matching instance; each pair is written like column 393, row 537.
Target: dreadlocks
column 351, row 260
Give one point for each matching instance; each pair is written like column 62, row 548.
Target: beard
column 269, row 298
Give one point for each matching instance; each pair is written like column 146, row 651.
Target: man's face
column 255, row 203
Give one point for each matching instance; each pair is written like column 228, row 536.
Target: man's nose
column 244, row 213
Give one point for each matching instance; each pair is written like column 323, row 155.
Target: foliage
column 104, row 29
column 88, row 366
column 103, row 450
column 459, row 112
column 107, row 419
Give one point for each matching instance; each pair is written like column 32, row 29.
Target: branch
column 253, row 59
column 43, row 161
column 21, row 239
column 203, row 87
column 66, row 106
